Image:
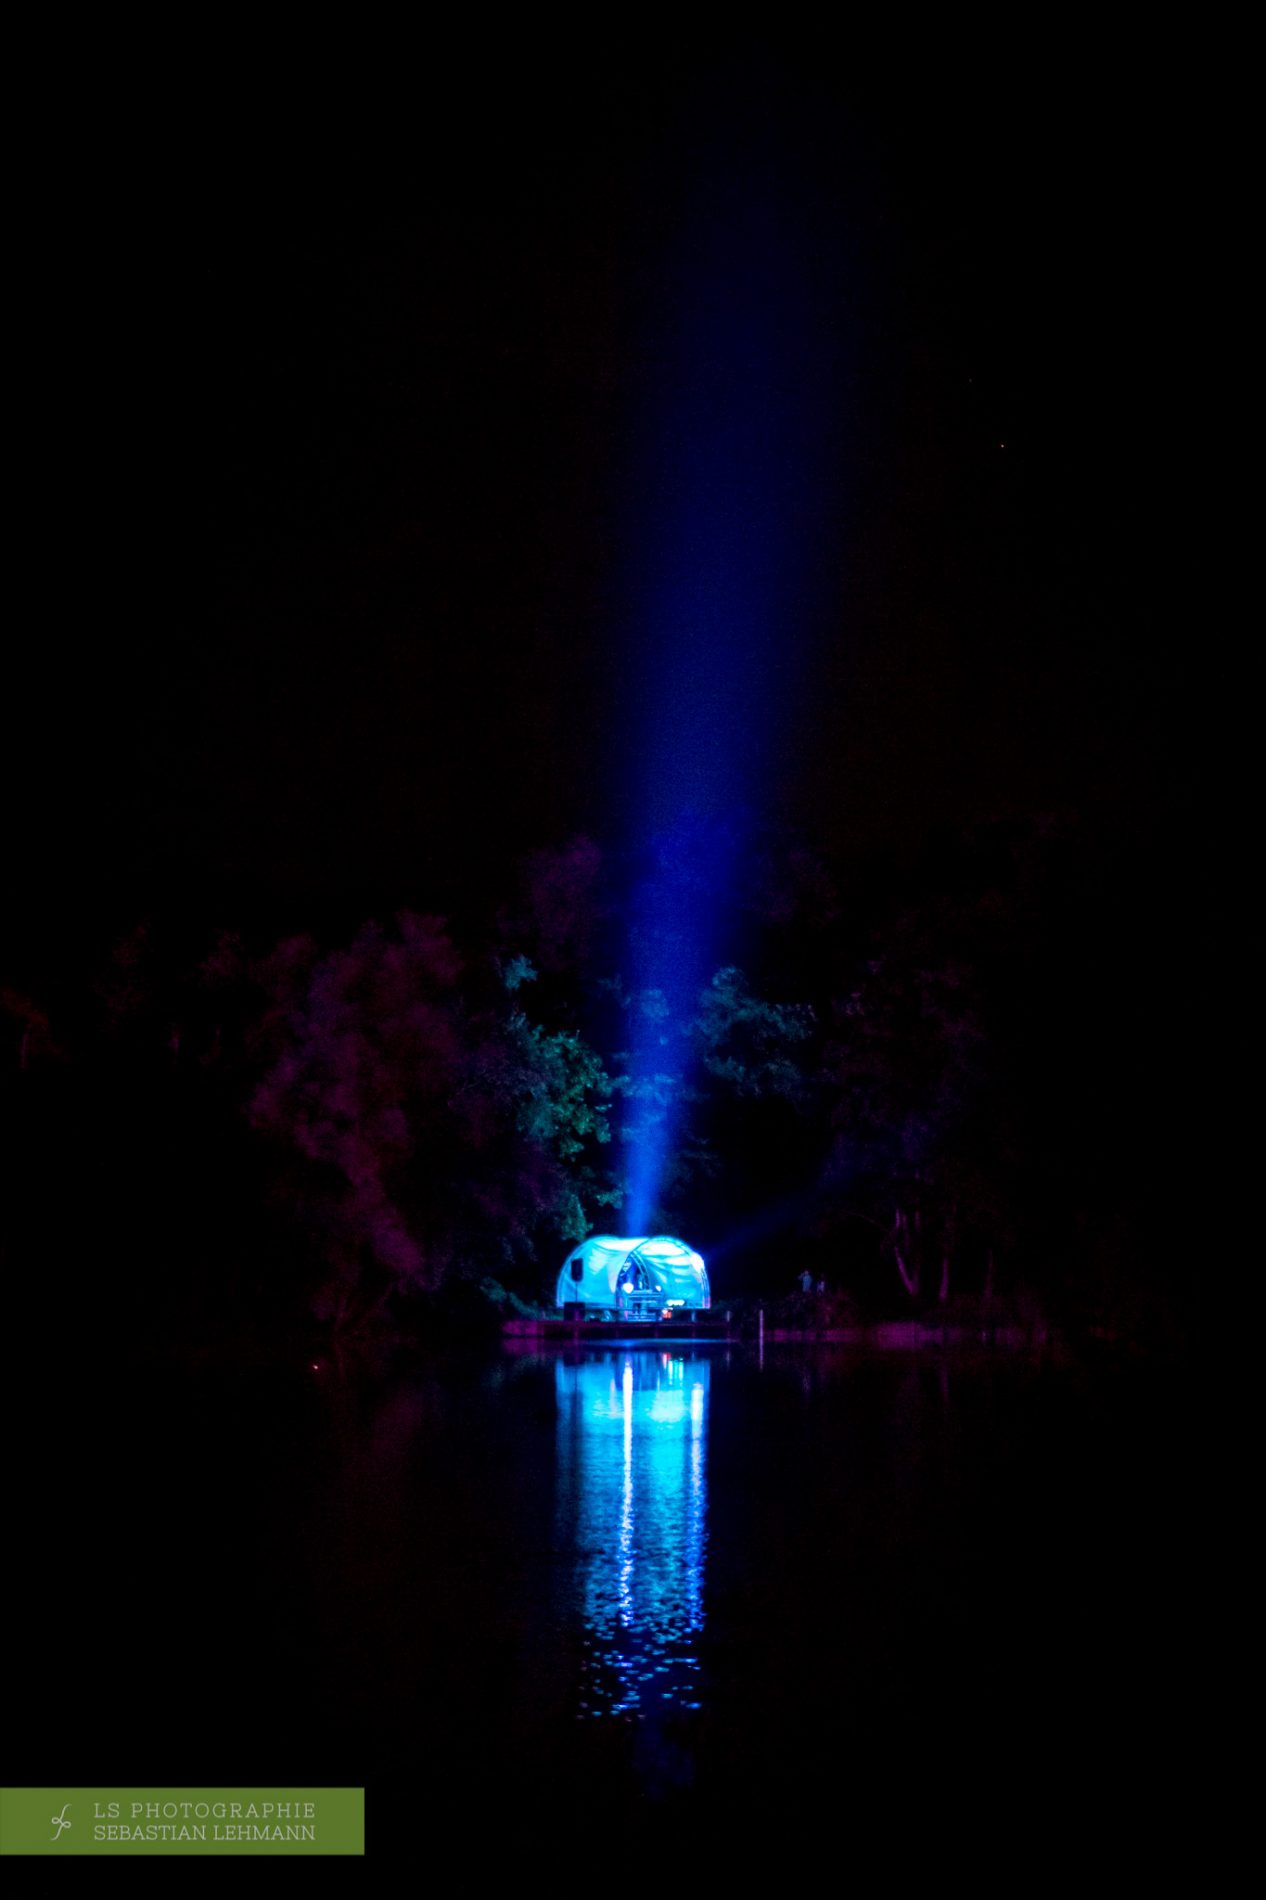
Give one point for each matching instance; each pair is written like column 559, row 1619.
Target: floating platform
column 621, row 1332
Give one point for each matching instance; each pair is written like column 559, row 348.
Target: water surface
column 600, row 1583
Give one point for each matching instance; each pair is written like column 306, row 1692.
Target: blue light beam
column 724, row 540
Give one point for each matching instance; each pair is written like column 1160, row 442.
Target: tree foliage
column 895, row 1078
column 431, row 1129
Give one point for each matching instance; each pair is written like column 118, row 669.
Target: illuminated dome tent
column 634, row 1277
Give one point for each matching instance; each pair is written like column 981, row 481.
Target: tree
column 905, row 1072
column 750, row 1046
column 432, row 1130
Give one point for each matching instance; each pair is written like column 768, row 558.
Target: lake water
column 587, row 1587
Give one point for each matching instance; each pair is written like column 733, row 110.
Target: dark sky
column 332, row 483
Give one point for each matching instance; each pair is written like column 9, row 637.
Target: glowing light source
column 635, row 1276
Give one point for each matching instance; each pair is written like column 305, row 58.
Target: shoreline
column 881, row 1336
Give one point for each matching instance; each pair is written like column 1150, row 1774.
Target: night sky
column 558, row 438
column 339, row 496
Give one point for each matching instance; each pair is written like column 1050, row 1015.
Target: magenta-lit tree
column 558, row 909
column 430, row 1129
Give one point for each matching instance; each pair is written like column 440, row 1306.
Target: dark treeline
column 972, row 1077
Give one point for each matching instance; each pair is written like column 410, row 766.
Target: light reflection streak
column 633, row 1506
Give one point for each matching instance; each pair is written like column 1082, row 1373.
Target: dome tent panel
column 677, row 1270
column 590, row 1271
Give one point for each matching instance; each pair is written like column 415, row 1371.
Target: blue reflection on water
column 632, row 1504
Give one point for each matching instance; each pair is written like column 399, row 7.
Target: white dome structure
column 635, row 1278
